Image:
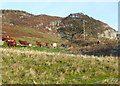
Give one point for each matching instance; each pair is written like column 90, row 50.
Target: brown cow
column 47, row 45
column 39, row 44
column 8, row 38
column 11, row 43
column 12, row 38
column 5, row 39
column 25, row 43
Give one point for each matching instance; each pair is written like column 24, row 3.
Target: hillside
column 70, row 26
column 23, row 25
column 77, row 24
column 24, row 19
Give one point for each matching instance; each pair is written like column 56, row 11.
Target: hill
column 70, row 27
column 77, row 25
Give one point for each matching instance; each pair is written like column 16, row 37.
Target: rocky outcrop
column 111, row 34
column 79, row 24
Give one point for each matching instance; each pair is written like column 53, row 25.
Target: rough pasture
column 24, row 66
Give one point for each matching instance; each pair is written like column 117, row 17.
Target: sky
column 104, row 11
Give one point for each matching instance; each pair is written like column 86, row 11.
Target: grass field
column 26, row 66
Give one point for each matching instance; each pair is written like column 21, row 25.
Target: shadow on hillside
column 107, row 52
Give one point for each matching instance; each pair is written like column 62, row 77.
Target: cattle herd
column 11, row 41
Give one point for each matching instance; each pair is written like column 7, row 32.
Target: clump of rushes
column 24, row 66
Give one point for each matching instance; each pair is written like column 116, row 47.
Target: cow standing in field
column 12, row 38
column 25, row 43
column 47, row 45
column 11, row 41
column 39, row 44
column 8, row 38
column 5, row 39
column 54, row 45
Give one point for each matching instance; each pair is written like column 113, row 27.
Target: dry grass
column 24, row 66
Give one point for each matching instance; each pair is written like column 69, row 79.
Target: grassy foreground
column 24, row 66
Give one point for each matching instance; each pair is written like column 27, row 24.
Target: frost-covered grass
column 24, row 66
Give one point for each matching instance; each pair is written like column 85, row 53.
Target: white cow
column 54, row 45
column 30, row 45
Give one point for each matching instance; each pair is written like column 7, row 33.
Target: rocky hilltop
column 79, row 24
column 74, row 26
